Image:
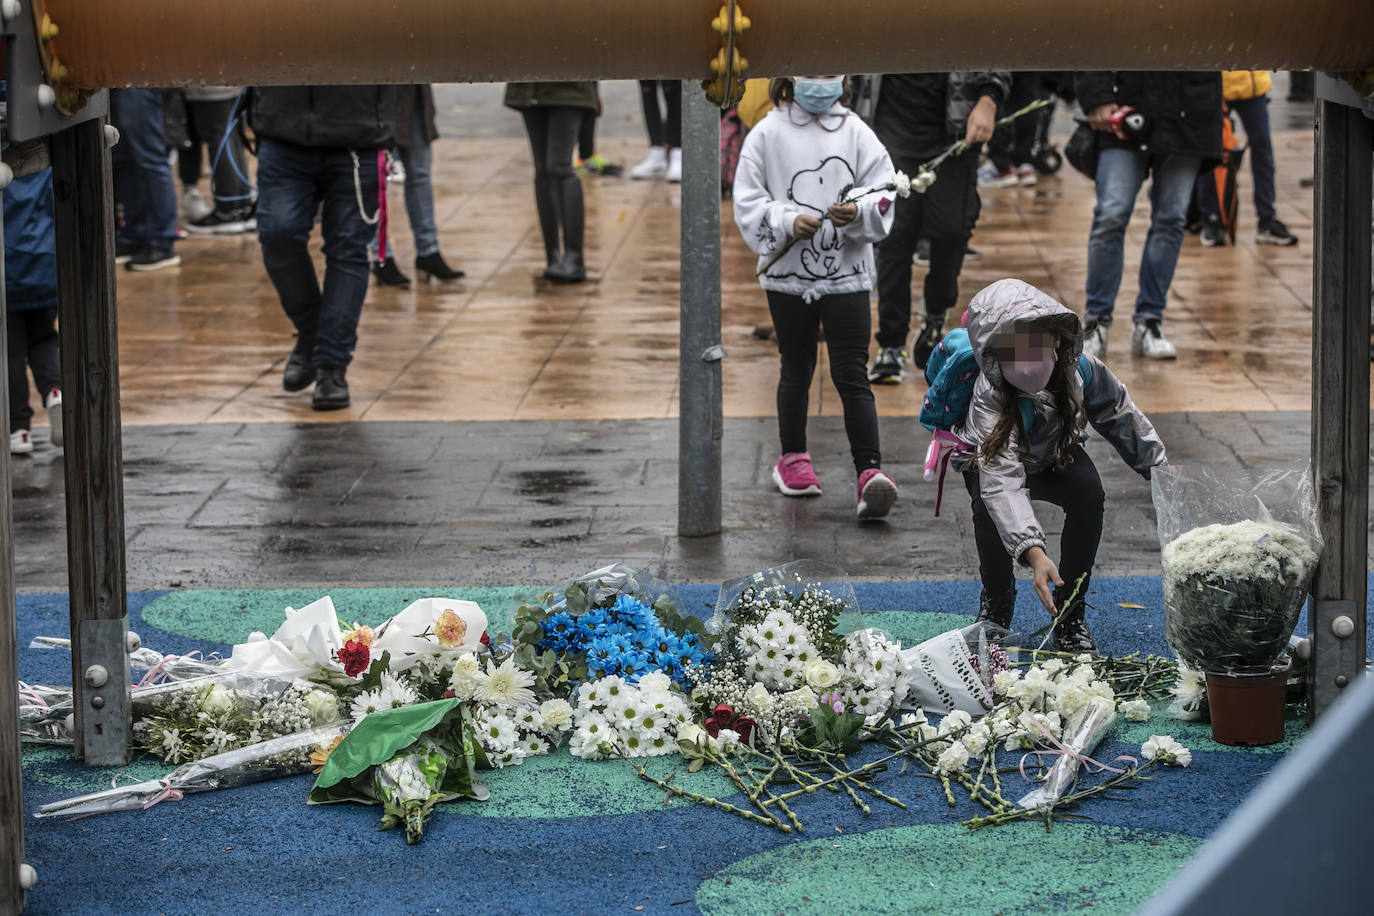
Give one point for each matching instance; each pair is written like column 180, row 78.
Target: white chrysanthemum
column 1002, row 681
column 655, row 682
column 613, row 686
column 368, row 701
column 1053, row 666
column 954, row 721
column 463, row 682
column 912, row 718
column 394, row 693
column 498, row 733
column 557, row 713
column 505, row 684
column 1166, row 750
column 623, row 710
column 977, row 739
column 954, row 759
column 1136, row 710
column 901, row 183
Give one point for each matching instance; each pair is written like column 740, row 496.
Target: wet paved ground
column 505, row 432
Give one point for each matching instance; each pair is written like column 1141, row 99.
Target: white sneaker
column 1148, row 340
column 674, row 172
column 1095, row 339
column 21, row 442
column 655, row 164
column 1026, row 176
column 194, row 205
column 53, row 402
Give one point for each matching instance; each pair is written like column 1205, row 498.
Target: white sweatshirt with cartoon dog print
column 795, row 163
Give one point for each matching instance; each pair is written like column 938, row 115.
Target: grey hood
column 1004, row 307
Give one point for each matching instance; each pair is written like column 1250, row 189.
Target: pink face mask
column 1029, row 375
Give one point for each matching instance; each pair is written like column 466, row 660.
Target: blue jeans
column 293, row 183
column 1120, row 173
column 417, row 159
column 143, row 183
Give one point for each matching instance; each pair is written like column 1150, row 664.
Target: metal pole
column 1340, row 393
column 700, row 353
column 11, row 774
column 83, row 210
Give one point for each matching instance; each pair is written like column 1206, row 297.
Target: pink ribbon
column 28, row 693
column 159, row 673
column 167, row 794
column 1059, row 749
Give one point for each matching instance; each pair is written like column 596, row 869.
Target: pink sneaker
column 794, row 476
column 877, row 493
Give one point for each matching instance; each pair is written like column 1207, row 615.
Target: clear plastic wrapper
column 289, row 755
column 793, row 577
column 1238, row 554
column 954, row 671
column 600, row 586
column 1080, row 737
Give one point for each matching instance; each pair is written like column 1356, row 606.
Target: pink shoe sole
column 877, row 497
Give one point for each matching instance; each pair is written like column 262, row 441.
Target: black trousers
column 1077, row 490
column 663, row 131
column 1012, row 143
column 557, row 190
column 32, row 337
column 846, row 321
column 945, row 214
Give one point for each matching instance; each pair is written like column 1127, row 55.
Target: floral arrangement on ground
column 772, row 693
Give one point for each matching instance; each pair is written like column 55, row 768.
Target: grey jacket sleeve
column 1002, row 480
column 1112, row 413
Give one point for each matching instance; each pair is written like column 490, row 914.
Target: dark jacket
column 521, row 96
column 415, row 102
column 30, row 245
column 966, row 87
column 1184, row 107
column 361, row 117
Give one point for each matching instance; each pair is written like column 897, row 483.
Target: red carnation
column 355, row 657
column 486, row 640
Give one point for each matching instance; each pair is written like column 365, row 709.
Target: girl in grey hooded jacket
column 1025, row 427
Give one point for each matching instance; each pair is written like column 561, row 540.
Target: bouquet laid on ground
column 1238, row 555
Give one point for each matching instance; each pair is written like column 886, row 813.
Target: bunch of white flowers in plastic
column 877, row 680
column 776, row 651
column 615, row 717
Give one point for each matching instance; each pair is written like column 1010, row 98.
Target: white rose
column 694, row 735
column 217, row 702
column 803, row 697
column 759, row 697
column 556, row 713
column 821, row 674
column 323, row 706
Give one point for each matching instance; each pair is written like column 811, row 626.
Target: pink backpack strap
column 943, row 445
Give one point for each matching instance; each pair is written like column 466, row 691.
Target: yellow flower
column 320, row 755
column 360, row 634
column 450, row 628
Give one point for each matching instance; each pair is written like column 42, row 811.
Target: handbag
column 1082, row 149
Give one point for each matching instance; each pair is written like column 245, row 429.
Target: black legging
column 1077, row 490
column 846, row 321
column 662, row 132
column 557, row 191
column 32, row 339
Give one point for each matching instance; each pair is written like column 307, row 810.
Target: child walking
column 808, row 201
column 31, row 307
column 1025, row 425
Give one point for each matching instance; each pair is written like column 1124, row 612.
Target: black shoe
column 932, row 332
column 388, row 274
column 331, row 390
column 298, row 372
column 1213, row 233
column 997, row 609
column 1273, row 232
column 1071, row 633
column 220, row 222
column 569, row 269
column 152, row 257
column 124, row 252
column 972, row 254
column 432, row 265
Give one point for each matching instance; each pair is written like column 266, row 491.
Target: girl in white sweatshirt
column 809, row 201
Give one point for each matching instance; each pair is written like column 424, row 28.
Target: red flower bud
column 745, row 726
column 355, row 657
column 486, row 640
column 449, row 694
column 724, row 711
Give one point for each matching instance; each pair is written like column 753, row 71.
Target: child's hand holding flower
column 842, row 214
column 804, row 227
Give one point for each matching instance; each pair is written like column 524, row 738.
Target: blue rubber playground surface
column 568, row 836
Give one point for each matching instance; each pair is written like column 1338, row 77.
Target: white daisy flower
column 505, row 684
column 368, row 701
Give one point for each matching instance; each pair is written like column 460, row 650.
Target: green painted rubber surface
column 1197, row 736
column 560, row 785
column 908, row 626
column 945, row 868
column 229, row 615
column 51, row 765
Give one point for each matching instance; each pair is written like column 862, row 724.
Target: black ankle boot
column 997, row 609
column 331, row 391
column 569, row 269
column 432, row 265
column 388, row 274
column 1071, row 633
column 299, row 373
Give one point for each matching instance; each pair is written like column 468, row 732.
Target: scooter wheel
column 1048, row 161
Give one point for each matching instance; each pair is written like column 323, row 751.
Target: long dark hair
column 782, row 90
column 1066, row 403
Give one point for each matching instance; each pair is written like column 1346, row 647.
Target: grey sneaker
column 1148, row 340
column 890, row 366
column 1095, row 339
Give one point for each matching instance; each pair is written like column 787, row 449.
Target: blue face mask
column 816, row 96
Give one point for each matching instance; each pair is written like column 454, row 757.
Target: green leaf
column 372, row 680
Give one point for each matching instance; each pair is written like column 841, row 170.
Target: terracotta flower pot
column 1247, row 709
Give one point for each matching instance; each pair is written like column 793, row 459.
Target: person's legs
column 994, row 563
column 17, row 337
column 653, row 117
column 419, row 186
column 566, row 189
column 1170, row 188
column 346, row 231
column 142, row 176
column 952, row 210
column 1120, row 173
column 537, row 128
column 655, row 164
column 847, row 324
column 288, row 196
column 672, row 101
column 44, row 349
column 796, row 323
column 1077, row 489
column 1254, row 114
column 228, row 159
column 586, row 135
column 894, row 266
